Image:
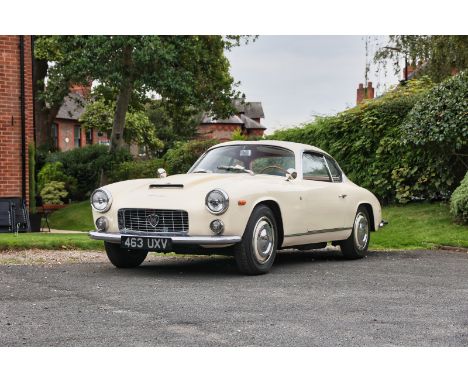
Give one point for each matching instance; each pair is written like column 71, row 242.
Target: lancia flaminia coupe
column 247, row 199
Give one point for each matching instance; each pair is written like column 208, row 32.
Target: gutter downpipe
column 23, row 120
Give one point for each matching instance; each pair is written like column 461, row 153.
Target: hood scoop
column 166, row 185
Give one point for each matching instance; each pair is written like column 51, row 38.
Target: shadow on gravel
column 224, row 265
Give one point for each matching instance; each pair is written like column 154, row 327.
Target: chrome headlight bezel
column 109, row 200
column 225, row 201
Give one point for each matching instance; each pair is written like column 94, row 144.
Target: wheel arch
column 275, row 208
column 370, row 212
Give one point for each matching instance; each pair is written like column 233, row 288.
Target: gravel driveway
column 410, row 298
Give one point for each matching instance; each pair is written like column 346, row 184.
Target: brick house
column 66, row 133
column 247, row 120
column 16, row 115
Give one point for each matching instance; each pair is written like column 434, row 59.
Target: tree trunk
column 44, row 114
column 123, row 101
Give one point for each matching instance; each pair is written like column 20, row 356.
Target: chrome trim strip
column 319, row 231
column 202, row 240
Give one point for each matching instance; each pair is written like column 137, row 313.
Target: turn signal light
column 242, row 202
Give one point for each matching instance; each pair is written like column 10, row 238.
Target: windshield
column 253, row 159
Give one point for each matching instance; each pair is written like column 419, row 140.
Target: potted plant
column 53, row 194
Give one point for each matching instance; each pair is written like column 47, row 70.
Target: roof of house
column 250, row 109
column 72, row 107
column 249, row 123
column 233, row 120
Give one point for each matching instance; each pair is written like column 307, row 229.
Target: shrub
column 53, row 192
column 366, row 140
column 135, row 170
column 459, row 201
column 183, row 155
column 85, row 165
column 54, row 172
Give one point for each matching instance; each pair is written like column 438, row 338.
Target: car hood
column 187, row 186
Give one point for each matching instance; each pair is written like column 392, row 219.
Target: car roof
column 287, row 145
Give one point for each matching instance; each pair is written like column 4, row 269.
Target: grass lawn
column 419, row 225
column 43, row 240
column 411, row 226
column 75, row 217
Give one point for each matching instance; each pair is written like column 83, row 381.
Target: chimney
column 360, row 94
column 364, row 93
column 83, row 89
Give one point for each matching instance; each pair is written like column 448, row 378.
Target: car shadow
column 199, row 265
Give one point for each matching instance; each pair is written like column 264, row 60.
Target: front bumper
column 178, row 240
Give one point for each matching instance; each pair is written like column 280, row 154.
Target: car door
column 323, row 196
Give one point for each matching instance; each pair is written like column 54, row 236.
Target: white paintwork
column 305, row 205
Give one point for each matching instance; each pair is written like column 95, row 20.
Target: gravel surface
column 401, row 298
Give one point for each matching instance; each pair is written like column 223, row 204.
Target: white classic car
column 248, row 199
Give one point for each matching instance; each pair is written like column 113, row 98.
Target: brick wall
column 10, row 113
column 222, row 132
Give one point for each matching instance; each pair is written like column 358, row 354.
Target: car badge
column 153, row 220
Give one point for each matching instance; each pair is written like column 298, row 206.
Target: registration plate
column 158, row 244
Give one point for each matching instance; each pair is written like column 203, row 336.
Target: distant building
column 246, row 120
column 66, row 133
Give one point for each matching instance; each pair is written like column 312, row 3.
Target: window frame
column 337, row 167
column 320, row 155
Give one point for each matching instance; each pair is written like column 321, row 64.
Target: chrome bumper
column 199, row 240
column 383, row 223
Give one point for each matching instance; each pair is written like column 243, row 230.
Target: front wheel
column 355, row 247
column 256, row 252
column 124, row 258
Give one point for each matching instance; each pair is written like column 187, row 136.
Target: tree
column 99, row 115
column 183, row 70
column 439, row 54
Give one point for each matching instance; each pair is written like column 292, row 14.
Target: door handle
column 342, row 196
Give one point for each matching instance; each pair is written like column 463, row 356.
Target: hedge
column 371, row 144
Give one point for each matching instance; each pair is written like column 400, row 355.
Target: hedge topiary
column 53, row 193
column 459, row 201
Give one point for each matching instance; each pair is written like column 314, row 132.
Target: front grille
column 153, row 221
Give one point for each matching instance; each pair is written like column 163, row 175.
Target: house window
column 89, row 136
column 54, row 135
column 77, row 136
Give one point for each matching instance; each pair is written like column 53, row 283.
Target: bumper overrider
column 178, row 240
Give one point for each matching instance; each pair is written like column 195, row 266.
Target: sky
column 298, row 77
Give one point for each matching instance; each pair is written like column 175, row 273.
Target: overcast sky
column 297, row 77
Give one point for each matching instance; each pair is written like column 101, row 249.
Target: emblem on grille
column 153, row 220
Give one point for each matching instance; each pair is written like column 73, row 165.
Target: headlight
column 101, row 200
column 217, row 201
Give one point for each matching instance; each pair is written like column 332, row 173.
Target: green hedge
column 85, row 165
column 183, row 155
column 135, row 170
column 459, row 201
column 372, row 146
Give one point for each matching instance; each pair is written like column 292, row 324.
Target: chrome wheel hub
column 361, row 231
column 263, row 240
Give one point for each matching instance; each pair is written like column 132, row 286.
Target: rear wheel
column 355, row 247
column 256, row 252
column 124, row 258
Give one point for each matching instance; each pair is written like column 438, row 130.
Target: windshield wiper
column 235, row 168
column 201, row 170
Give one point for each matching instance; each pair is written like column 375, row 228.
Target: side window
column 314, row 168
column 334, row 169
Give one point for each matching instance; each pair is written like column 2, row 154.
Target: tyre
column 124, row 258
column 355, row 246
column 256, row 252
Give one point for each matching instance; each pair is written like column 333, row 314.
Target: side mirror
column 291, row 174
column 161, row 173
